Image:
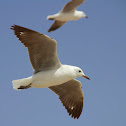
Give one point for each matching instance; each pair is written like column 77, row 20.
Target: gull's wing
column 56, row 25
column 71, row 95
column 41, row 48
column 72, row 5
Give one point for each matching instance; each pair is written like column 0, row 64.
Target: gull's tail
column 22, row 83
column 50, row 17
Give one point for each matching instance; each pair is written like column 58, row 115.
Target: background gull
column 49, row 72
column 68, row 13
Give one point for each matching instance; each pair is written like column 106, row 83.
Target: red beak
column 86, row 77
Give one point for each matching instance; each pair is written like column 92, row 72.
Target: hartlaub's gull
column 49, row 72
column 68, row 13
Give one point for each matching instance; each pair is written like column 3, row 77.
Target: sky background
column 97, row 45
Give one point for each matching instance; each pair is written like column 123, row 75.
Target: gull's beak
column 86, row 16
column 86, row 77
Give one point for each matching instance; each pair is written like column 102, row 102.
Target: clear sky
column 97, row 45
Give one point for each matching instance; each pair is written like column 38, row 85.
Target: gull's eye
column 79, row 71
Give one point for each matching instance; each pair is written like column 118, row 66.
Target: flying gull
column 68, row 13
column 49, row 72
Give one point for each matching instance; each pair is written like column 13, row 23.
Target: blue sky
column 97, row 45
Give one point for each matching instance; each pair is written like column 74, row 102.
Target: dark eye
column 79, row 71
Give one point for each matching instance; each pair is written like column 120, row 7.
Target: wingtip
column 49, row 30
column 73, row 114
column 12, row 27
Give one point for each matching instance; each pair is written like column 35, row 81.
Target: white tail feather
column 21, row 82
column 50, row 17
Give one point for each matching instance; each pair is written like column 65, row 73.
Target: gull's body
column 67, row 16
column 49, row 72
column 53, row 77
column 49, row 78
column 68, row 13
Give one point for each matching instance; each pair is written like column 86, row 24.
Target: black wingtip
column 12, row 26
column 49, row 30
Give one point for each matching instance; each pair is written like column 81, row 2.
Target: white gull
column 49, row 72
column 68, row 13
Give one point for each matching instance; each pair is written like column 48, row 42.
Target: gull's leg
column 25, row 87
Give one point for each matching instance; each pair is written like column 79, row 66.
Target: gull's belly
column 49, row 78
column 67, row 17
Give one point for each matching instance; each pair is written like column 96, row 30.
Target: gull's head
column 80, row 14
column 84, row 15
column 80, row 73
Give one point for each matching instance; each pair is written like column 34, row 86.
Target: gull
column 49, row 72
column 68, row 13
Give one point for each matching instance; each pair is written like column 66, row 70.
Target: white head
column 79, row 73
column 82, row 14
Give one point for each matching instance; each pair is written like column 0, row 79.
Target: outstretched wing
column 72, row 5
column 41, row 48
column 56, row 25
column 71, row 95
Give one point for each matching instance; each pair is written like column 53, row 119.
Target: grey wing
column 72, row 5
column 41, row 48
column 71, row 95
column 56, row 25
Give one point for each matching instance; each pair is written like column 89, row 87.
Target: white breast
column 51, row 78
column 68, row 16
